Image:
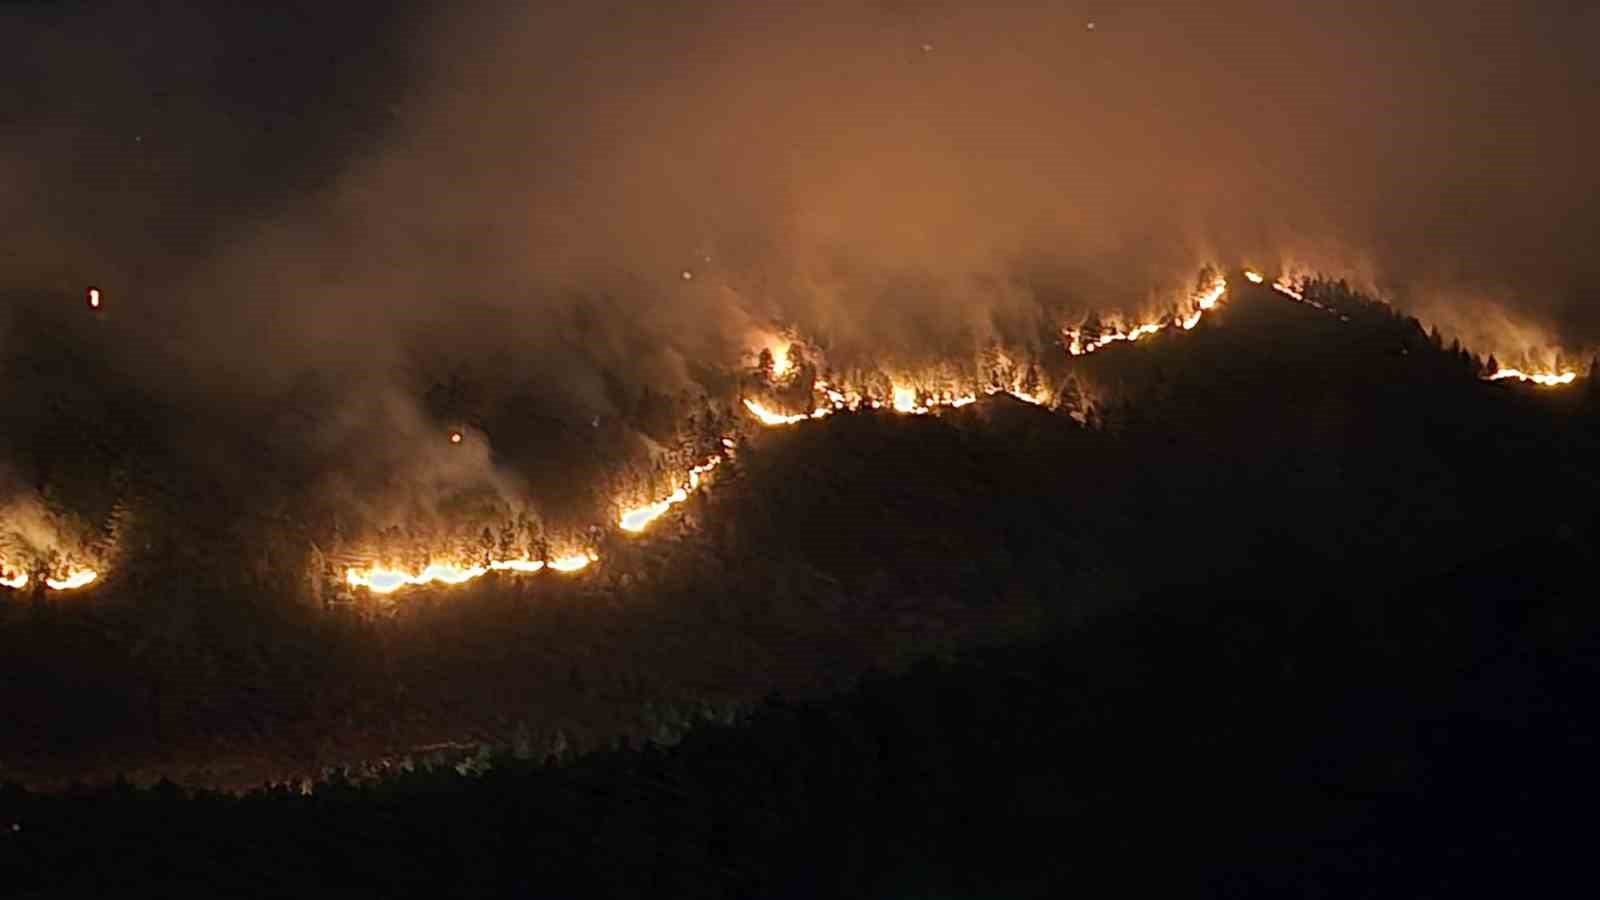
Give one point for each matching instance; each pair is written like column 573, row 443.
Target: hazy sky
column 331, row 184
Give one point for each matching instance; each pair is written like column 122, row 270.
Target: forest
column 1303, row 607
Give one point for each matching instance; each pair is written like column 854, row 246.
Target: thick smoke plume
column 574, row 201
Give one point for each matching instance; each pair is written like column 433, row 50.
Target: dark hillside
column 1275, row 446
column 1421, row 738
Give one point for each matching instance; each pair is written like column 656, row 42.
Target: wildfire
column 636, row 520
column 1546, row 379
column 769, row 417
column 903, row 400
column 380, row 580
column 1079, row 344
column 782, row 365
column 74, row 579
column 574, row 562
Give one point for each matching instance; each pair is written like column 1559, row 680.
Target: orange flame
column 1543, row 379
column 903, row 400
column 769, row 417
column 575, row 562
column 13, row 579
column 73, row 580
column 1547, row 379
column 380, row 580
column 637, row 519
column 1201, row 303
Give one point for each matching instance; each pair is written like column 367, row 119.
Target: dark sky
column 329, row 185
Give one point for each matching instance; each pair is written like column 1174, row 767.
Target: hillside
column 1273, row 446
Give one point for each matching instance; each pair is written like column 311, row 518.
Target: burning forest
column 790, row 381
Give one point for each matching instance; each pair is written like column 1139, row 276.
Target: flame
column 1547, row 379
column 1544, row 379
column 94, row 298
column 1201, row 303
column 635, row 520
column 574, row 562
column 74, row 579
column 769, row 417
column 903, row 400
column 380, row 580
column 782, row 365
column 455, row 437
column 1253, row 276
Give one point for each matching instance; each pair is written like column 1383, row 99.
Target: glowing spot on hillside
column 638, row 518
column 1547, row 379
column 73, row 580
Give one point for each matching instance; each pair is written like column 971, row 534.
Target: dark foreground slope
column 1311, row 460
column 1420, row 738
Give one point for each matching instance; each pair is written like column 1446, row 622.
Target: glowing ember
column 94, row 298
column 75, row 579
column 637, row 519
column 1254, row 277
column 455, row 437
column 1548, row 379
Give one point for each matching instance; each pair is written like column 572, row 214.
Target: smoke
column 574, row 201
